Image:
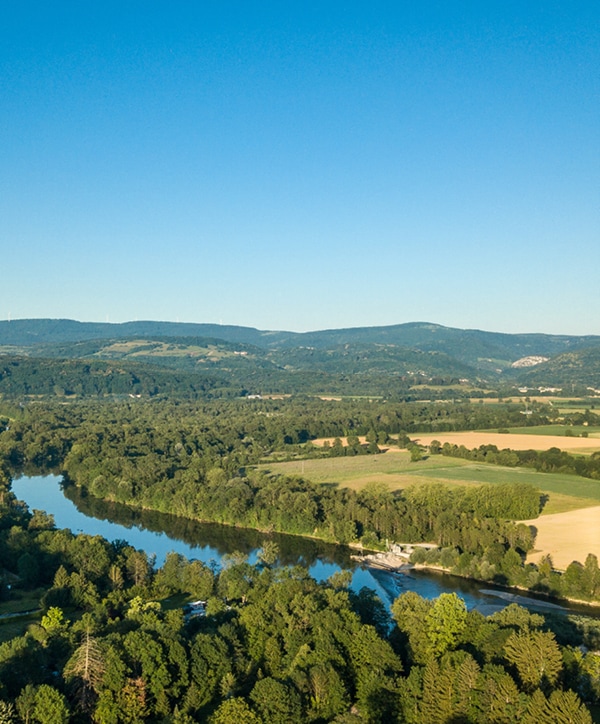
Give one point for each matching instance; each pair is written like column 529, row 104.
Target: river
column 158, row 534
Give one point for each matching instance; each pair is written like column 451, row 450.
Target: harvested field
column 567, row 536
column 514, row 442
column 556, row 429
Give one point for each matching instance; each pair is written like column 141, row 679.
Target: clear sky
column 302, row 165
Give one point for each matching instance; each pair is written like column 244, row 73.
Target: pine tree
column 465, row 686
column 536, row 656
column 565, row 707
column 436, row 706
column 7, row 713
column 499, row 699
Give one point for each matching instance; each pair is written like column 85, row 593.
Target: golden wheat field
column 512, row 440
column 567, row 536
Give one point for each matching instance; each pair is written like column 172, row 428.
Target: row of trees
column 504, row 566
column 552, row 460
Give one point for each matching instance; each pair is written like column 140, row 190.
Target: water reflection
column 221, row 539
column 160, row 533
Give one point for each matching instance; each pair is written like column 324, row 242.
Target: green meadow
column 395, row 469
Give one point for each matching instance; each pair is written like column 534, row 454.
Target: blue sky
column 302, row 165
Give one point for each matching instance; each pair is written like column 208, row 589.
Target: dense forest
column 115, row 643
column 23, row 376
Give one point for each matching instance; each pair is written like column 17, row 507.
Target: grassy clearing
column 146, row 348
column 565, row 492
column 19, row 601
column 336, row 397
column 22, row 601
column 559, row 503
column 12, row 627
column 394, row 468
column 176, row 602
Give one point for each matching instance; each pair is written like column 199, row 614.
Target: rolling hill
column 366, row 359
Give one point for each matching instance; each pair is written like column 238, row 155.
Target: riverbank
column 393, row 563
column 159, row 534
column 184, row 528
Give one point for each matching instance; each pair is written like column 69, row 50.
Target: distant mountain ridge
column 467, row 345
column 26, row 332
column 371, row 358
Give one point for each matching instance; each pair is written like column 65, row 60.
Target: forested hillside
column 469, row 346
column 23, row 376
column 382, row 358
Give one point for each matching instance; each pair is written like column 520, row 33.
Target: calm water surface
column 158, row 534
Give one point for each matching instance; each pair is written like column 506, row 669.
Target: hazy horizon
column 289, row 329
column 313, row 166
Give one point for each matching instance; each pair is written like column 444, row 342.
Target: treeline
column 27, row 376
column 271, row 646
column 552, row 460
column 472, row 519
column 503, row 566
column 216, row 430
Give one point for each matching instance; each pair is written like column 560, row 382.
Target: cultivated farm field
column 567, row 537
column 395, row 469
column 520, row 441
column 558, row 430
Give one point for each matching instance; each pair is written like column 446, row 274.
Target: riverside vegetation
column 197, row 461
column 112, row 645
